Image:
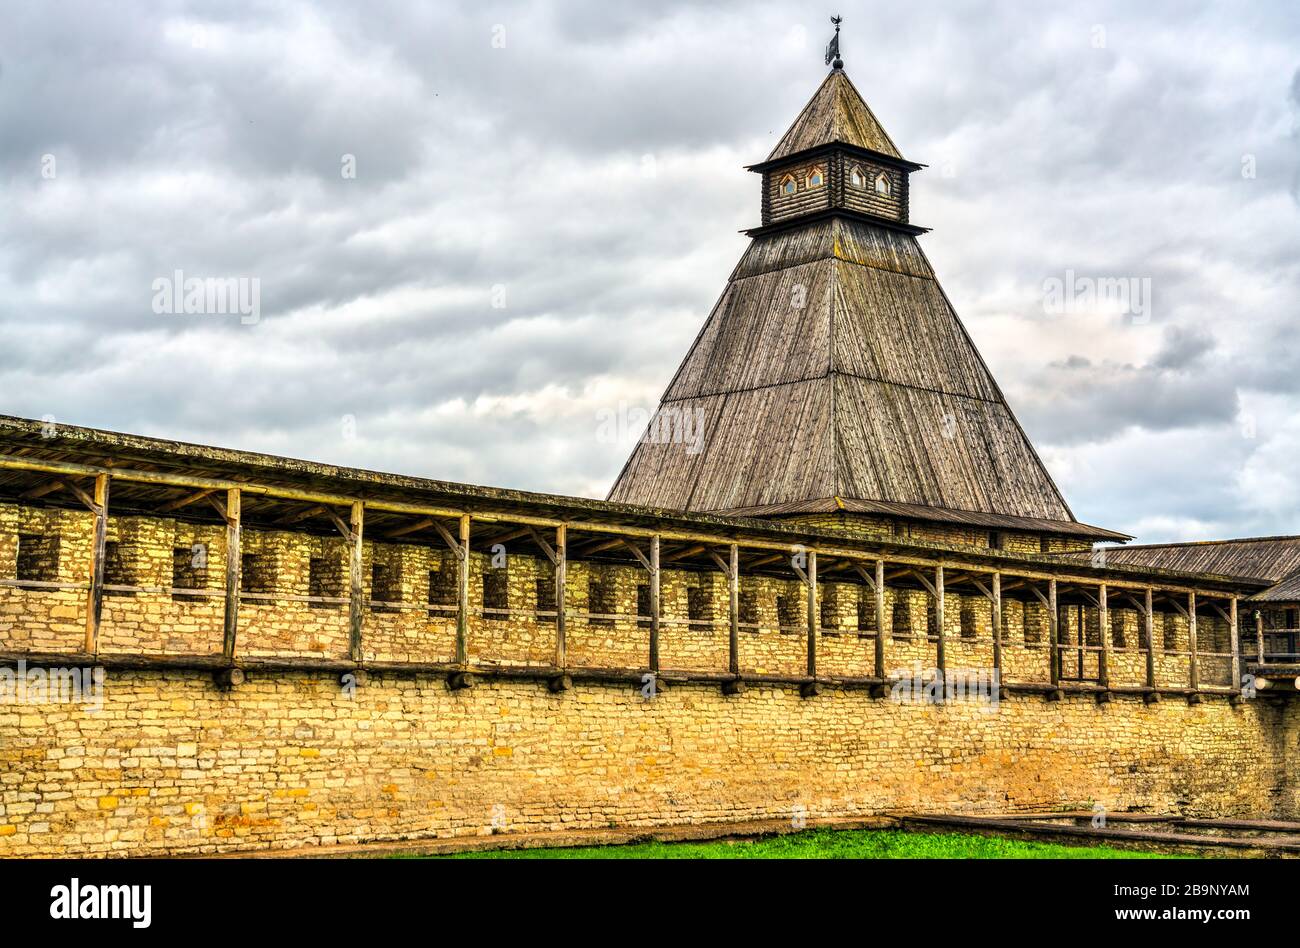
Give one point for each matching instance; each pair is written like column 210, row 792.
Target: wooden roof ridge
column 836, row 114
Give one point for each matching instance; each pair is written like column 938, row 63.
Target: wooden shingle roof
column 1271, row 559
column 836, row 114
column 834, row 369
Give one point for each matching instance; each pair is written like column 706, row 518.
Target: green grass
column 831, row 844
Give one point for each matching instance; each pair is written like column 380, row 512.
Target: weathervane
column 833, row 47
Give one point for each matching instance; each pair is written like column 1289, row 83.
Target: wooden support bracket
column 459, row 681
column 227, row 679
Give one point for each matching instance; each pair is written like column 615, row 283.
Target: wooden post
column 1150, row 621
column 812, row 614
column 1259, row 634
column 95, row 595
column 356, row 601
column 462, row 595
column 1234, row 645
column 1103, row 626
column 654, row 604
column 733, row 581
column 561, row 571
column 1193, row 673
column 880, row 619
column 1054, row 632
column 939, row 657
column 995, row 618
column 234, row 570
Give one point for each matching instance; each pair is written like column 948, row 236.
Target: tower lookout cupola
column 836, row 158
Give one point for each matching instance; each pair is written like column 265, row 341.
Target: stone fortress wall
column 173, row 763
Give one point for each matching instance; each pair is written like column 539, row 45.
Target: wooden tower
column 833, row 382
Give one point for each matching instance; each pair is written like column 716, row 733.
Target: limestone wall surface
column 171, row 764
column 164, row 761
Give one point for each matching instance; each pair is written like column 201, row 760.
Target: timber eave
column 833, row 212
column 816, row 151
column 971, row 518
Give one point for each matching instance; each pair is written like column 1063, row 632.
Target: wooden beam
column 552, row 553
column 995, row 617
column 1149, row 618
column 41, row 490
column 178, row 503
column 559, row 559
column 300, row 515
column 939, row 650
column 356, row 601
column 345, row 529
column 636, row 551
column 504, row 537
column 423, row 523
column 234, row 562
column 600, row 547
column 1234, row 645
column 1053, row 627
column 880, row 619
column 812, row 614
column 1103, row 627
column 95, row 595
column 87, row 500
column 462, row 595
column 929, row 586
column 452, row 543
column 694, row 550
column 1087, row 597
column 654, row 605
column 1259, row 634
column 1193, row 672
column 733, row 587
column 219, row 507
column 1132, row 601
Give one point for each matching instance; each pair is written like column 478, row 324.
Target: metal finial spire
column 833, row 47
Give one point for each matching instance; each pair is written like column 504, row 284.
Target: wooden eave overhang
column 828, row 147
column 831, row 212
column 972, row 518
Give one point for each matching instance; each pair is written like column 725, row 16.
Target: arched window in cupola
column 857, row 178
column 788, row 185
column 883, row 186
column 816, row 177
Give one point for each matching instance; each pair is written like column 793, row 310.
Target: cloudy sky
column 480, row 229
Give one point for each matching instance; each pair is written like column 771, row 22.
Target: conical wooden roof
column 836, row 114
column 870, row 397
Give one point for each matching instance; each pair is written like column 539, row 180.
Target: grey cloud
column 1183, row 348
